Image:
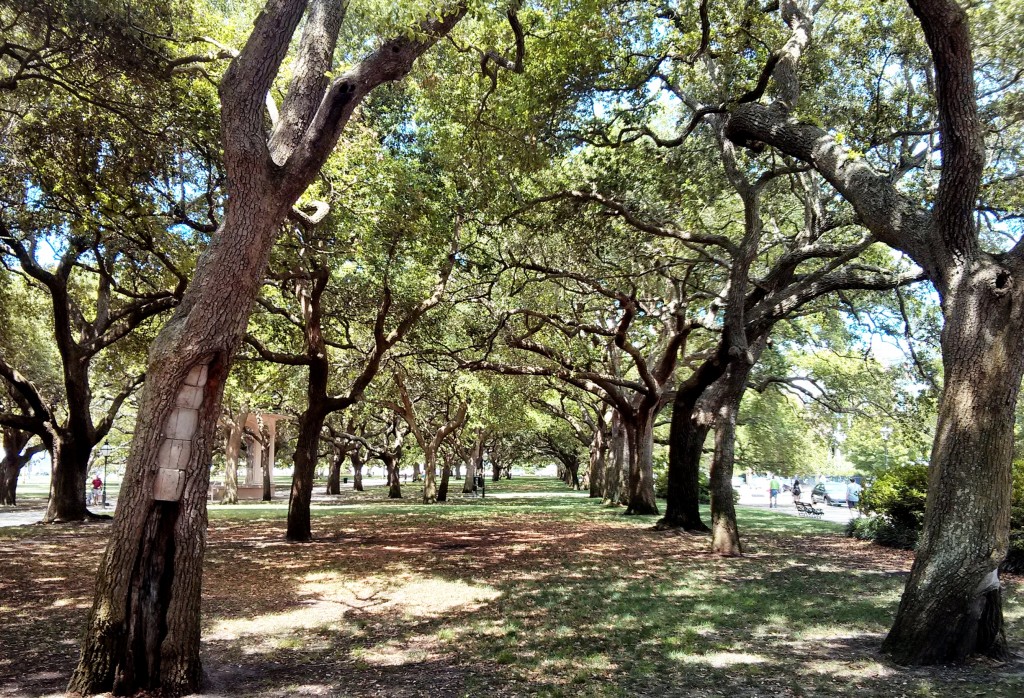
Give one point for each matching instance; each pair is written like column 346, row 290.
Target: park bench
column 808, row 510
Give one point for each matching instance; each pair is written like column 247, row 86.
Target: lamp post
column 886, row 433
column 105, row 450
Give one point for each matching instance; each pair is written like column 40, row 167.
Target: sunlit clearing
column 410, row 594
column 718, row 660
column 394, row 653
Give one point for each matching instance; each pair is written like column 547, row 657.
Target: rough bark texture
column 446, row 474
column 15, row 458
column 598, row 454
column 357, row 470
column 391, row 465
column 338, row 456
column 688, row 431
column 951, row 607
column 143, row 630
column 640, row 483
column 307, row 446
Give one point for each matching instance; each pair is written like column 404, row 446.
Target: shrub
column 898, row 496
column 883, row 532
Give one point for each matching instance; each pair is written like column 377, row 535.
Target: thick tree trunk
column 232, row 449
column 143, row 631
column 495, row 471
column 307, row 446
column 268, row 471
column 391, row 468
column 144, row 628
column 467, row 484
column 430, row 477
column 641, row 469
column 334, row 475
column 67, row 483
column 417, row 474
column 446, row 473
column 725, row 534
column 688, row 432
column 14, row 442
column 952, row 605
column 598, row 454
column 616, row 463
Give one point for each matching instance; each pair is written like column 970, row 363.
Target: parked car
column 832, row 493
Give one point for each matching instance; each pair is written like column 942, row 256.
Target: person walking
column 796, row 490
column 773, row 493
column 852, row 493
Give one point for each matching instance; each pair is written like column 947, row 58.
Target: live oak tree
column 951, row 606
column 143, row 630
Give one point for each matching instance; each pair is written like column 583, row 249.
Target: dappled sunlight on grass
column 505, row 597
column 718, row 660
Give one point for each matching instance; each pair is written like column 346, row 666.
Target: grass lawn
column 524, row 593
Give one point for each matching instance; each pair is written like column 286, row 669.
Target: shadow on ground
column 535, row 596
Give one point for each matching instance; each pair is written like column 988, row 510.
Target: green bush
column 1014, row 561
column 883, row 532
column 898, row 496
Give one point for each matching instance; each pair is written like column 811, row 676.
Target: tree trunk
column 952, row 604
column 641, row 469
column 268, row 474
column 307, row 447
column 232, row 448
column 357, row 471
column 446, row 473
column 598, row 454
column 14, row 442
column 688, row 432
column 391, row 468
column 458, row 470
column 334, row 476
column 615, row 462
column 67, row 483
column 144, row 628
column 467, row 484
column 430, row 477
column 725, row 534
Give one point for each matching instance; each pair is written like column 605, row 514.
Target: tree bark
column 268, row 471
column 307, row 447
column 725, row 533
column 598, row 454
column 67, row 482
column 641, row 499
column 15, row 458
column 952, row 604
column 689, row 430
column 446, row 473
column 337, row 461
column 391, row 464
column 232, row 449
column 143, row 630
column 357, row 471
